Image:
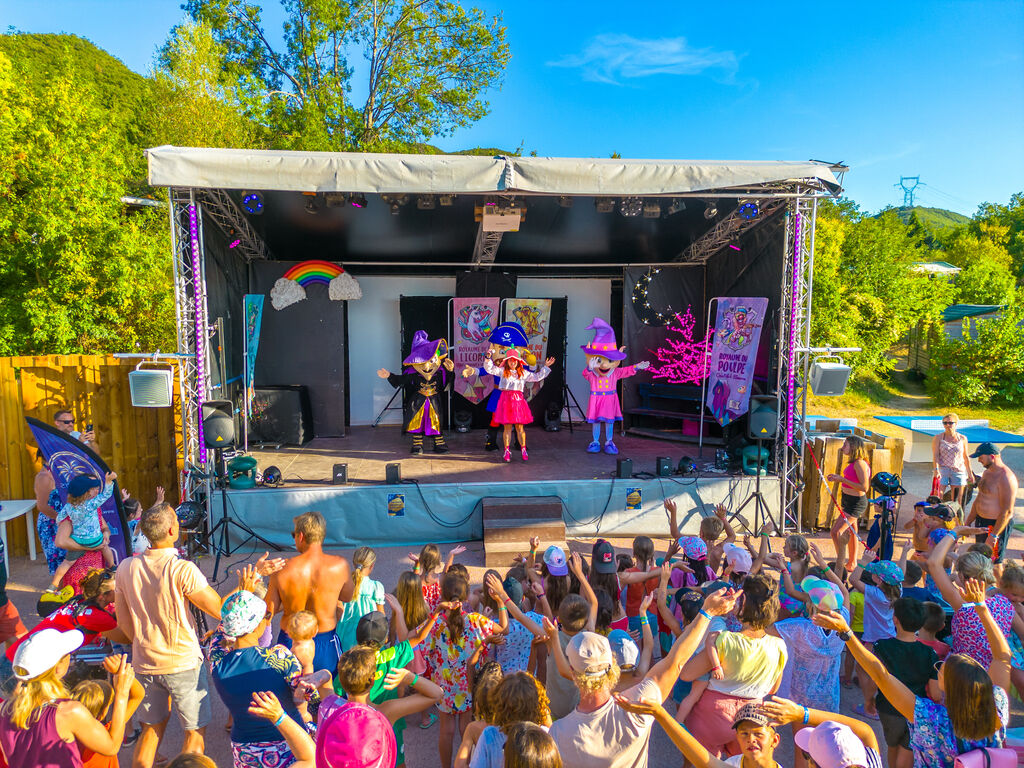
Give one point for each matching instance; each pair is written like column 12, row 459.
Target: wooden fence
column 139, row 444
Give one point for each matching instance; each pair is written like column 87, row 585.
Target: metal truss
column 726, row 231
column 222, row 210
column 485, row 249
column 794, row 353
column 192, row 330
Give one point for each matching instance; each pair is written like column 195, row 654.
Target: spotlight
column 272, row 477
column 748, row 211
column 334, row 199
column 395, row 209
column 677, row 206
column 311, row 206
column 190, row 515
column 565, row 201
column 463, row 421
column 395, row 202
column 604, row 204
column 631, row 206
column 252, row 202
column 446, row 201
column 426, row 202
column 710, row 210
column 358, row 201
column 652, row 210
column 686, row 466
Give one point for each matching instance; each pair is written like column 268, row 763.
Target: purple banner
column 66, row 457
column 733, row 355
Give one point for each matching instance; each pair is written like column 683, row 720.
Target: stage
column 441, row 494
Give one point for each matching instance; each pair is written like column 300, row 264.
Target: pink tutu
column 512, row 409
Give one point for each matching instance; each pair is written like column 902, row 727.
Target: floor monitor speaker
column 764, row 417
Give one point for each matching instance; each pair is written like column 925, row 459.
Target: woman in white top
column 512, row 408
column 950, row 462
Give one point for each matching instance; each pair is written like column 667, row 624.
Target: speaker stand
column 387, row 408
column 762, row 512
column 223, row 527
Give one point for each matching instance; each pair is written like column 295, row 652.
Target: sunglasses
column 65, row 421
column 949, row 423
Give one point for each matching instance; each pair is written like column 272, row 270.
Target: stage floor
column 553, row 456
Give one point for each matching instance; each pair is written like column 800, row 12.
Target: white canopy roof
column 461, row 174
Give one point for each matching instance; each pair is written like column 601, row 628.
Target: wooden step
column 530, row 507
column 523, row 531
column 500, row 556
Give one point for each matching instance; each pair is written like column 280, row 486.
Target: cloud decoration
column 344, row 288
column 285, row 293
column 610, row 58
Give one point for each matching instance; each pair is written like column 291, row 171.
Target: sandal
column 433, row 719
column 859, row 709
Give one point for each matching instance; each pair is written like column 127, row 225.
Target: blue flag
column 67, row 457
column 253, row 305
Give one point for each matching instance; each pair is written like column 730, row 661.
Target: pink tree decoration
column 683, row 360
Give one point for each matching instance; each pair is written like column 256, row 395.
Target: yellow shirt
column 750, row 665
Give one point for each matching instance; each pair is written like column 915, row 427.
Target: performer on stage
column 513, row 409
column 505, row 337
column 423, row 380
column 603, row 373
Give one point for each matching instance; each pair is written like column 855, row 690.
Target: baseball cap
column 886, row 570
column 355, row 736
column 751, row 713
column 824, row 594
column 590, row 654
column 42, row 651
column 738, row 558
column 941, row 511
column 372, row 629
column 624, row 650
column 693, row 547
column 985, row 449
column 603, row 559
column 241, row 613
column 554, row 559
column 514, row 589
column 82, row 484
column 832, row 745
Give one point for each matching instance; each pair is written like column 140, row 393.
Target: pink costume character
column 603, row 373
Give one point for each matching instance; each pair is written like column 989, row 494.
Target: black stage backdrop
column 304, row 344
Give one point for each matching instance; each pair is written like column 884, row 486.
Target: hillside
column 933, row 219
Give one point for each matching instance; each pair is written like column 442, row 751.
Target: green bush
column 986, row 371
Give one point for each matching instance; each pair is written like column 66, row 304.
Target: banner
column 733, row 355
column 473, row 321
column 66, row 457
column 253, row 308
column 534, row 315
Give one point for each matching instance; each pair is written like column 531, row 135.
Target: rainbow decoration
column 313, row 271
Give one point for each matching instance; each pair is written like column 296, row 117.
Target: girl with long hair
column 367, row 596
column 854, row 483
column 428, row 565
column 513, row 410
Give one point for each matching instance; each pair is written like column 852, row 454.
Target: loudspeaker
column 663, row 466
column 151, row 388
column 340, row 474
column 218, row 424
column 624, row 468
column 392, row 474
column 829, row 378
column 763, row 422
column 281, row 415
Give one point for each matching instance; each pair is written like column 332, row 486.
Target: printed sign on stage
column 534, row 315
column 396, row 505
column 634, row 498
column 66, row 458
column 474, row 319
column 733, row 355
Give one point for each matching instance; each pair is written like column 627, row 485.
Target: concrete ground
column 28, row 579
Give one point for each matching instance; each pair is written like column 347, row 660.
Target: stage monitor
column 764, row 417
column 218, row 424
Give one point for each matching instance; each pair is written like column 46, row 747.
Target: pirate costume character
column 503, row 339
column 423, row 380
column 603, row 373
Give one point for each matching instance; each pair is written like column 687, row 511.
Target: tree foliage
column 427, row 66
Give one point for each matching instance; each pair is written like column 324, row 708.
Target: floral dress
column 969, row 633
column 932, row 738
column 448, row 661
column 432, row 594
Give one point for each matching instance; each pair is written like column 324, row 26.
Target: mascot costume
column 503, row 339
column 423, row 380
column 603, row 373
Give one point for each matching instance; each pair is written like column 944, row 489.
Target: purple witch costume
column 423, row 380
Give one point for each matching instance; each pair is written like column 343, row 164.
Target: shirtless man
column 997, row 495
column 313, row 581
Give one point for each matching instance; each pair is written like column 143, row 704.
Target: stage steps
column 509, row 522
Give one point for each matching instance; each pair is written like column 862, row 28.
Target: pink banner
column 733, row 355
column 472, row 323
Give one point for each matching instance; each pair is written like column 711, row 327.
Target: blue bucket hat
column 887, row 571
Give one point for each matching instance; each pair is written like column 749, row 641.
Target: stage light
column 252, row 202
column 190, row 515
column 446, row 201
column 631, row 206
column 272, row 477
column 235, row 243
column 604, row 204
column 685, row 466
column 748, row 211
column 395, row 209
column 426, row 202
column 565, row 201
column 734, row 247
column 311, row 206
column 358, row 201
column 710, row 210
column 335, row 199
column 463, row 421
column 652, row 210
column 677, row 206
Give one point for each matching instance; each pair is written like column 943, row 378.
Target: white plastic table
column 9, row 510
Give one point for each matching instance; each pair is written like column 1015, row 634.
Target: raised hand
column 449, row 605
column 268, row 566
column 666, row 572
column 247, row 577
column 549, row 362
column 673, row 549
column 534, row 542
column 721, row 601
column 392, row 602
column 125, row 495
column 449, row 364
column 646, row 603
column 973, row 591
column 383, row 373
column 457, row 550
column 721, row 512
column 831, row 620
column 537, row 588
column 816, row 555
column 782, row 711
column 670, row 506
column 549, row 627
column 414, row 558
column 123, row 678
column 576, row 565
column 494, row 586
column 642, row 707
column 160, row 494
column 467, row 372
column 111, row 477
column 113, row 663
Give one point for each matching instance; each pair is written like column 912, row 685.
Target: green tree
column 1011, row 219
column 78, row 273
column 984, row 282
column 964, row 248
column 427, row 66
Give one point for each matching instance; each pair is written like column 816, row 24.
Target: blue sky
column 926, row 88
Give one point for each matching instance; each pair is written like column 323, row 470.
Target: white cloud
column 611, row 58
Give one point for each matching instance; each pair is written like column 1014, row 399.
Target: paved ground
column 27, row 579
